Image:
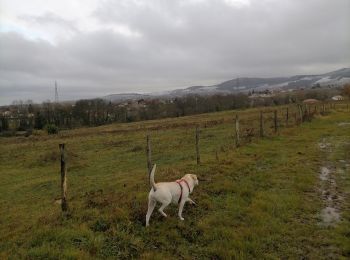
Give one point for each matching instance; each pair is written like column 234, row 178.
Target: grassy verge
column 258, row 201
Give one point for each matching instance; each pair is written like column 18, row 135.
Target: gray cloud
column 171, row 44
column 50, row 19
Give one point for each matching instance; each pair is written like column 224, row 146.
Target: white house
column 338, row 98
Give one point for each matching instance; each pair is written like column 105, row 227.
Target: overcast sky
column 94, row 48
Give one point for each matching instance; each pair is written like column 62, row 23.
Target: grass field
column 261, row 200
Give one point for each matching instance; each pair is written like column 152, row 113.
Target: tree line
column 96, row 112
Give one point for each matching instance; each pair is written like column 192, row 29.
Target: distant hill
column 330, row 79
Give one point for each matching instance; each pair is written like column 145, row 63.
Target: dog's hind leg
column 164, row 205
column 151, row 205
column 181, row 207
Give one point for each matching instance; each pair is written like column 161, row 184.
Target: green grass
column 260, row 200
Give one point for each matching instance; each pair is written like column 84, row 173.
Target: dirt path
column 330, row 194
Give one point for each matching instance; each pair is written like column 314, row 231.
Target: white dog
column 167, row 192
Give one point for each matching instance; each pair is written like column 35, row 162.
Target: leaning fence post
column 261, row 124
column 197, row 145
column 149, row 154
column 287, row 116
column 64, row 204
column 237, row 130
column 275, row 120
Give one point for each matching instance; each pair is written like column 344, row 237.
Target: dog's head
column 193, row 177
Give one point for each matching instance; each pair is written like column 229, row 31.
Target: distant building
column 338, row 98
column 7, row 113
column 310, row 101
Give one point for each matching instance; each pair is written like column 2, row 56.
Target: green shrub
column 51, row 129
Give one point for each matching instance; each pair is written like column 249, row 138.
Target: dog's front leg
column 191, row 201
column 181, row 207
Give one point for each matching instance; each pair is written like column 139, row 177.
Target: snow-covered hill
column 330, row 79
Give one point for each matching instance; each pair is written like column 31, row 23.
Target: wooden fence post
column 197, row 146
column 287, row 116
column 324, row 108
column 149, row 155
column 64, row 204
column 300, row 113
column 237, row 130
column 306, row 113
column 261, row 124
column 275, row 121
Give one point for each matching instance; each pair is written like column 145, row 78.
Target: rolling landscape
column 182, row 129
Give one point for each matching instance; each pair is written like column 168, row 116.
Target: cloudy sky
column 94, row 48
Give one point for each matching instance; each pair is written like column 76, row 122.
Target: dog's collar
column 188, row 186
column 183, row 180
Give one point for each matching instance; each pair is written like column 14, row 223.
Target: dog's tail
column 151, row 177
